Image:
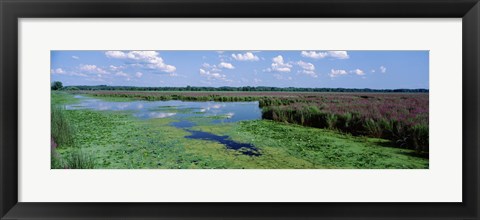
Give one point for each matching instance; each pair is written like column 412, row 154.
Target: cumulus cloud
column 75, row 57
column 337, row 54
column 147, row 59
column 358, row 72
column 116, row 54
column 248, row 56
column 314, row 55
column 383, row 69
column 279, row 65
column 61, row 71
column 212, row 75
column 138, row 74
column 116, row 68
column 339, row 72
column 57, row 71
column 210, row 67
column 226, row 65
column 308, row 68
column 213, row 72
column 92, row 69
column 335, row 73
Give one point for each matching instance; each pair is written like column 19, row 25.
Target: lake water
column 184, row 112
column 220, row 111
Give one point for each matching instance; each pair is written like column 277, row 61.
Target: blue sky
column 316, row 69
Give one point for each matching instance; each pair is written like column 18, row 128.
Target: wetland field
column 238, row 130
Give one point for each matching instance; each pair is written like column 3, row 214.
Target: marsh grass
column 402, row 134
column 79, row 159
column 61, row 130
column 63, row 137
column 117, row 140
column 75, row 159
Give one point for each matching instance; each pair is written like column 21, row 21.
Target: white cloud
column 212, row 72
column 138, row 74
column 383, row 69
column 116, row 54
column 358, row 72
column 148, row 59
column 215, row 72
column 314, row 55
column 207, row 65
column 212, row 75
column 92, row 69
column 75, row 57
column 338, row 54
column 335, row 73
column 248, row 56
column 212, row 68
column 57, row 71
column 115, row 68
column 373, row 71
column 226, row 65
column 308, row 68
column 339, row 72
column 279, row 65
column 61, row 71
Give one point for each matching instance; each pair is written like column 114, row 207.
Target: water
column 244, row 148
column 220, row 112
column 217, row 112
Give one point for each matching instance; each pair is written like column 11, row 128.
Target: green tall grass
column 63, row 136
column 79, row 159
column 402, row 135
column 76, row 159
column 62, row 131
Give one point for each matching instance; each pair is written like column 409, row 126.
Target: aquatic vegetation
column 400, row 117
column 118, row 139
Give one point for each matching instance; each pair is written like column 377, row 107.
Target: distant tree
column 57, row 85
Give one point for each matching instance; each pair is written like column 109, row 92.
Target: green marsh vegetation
column 116, row 139
column 399, row 117
column 63, row 134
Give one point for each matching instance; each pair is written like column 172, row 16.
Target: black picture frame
column 12, row 10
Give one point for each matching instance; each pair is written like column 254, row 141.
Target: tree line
column 239, row 89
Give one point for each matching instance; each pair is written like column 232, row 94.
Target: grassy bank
column 402, row 134
column 63, row 136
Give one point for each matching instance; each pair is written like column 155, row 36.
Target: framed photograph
column 250, row 110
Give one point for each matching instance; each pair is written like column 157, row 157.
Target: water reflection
column 184, row 112
column 244, row 148
column 219, row 111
